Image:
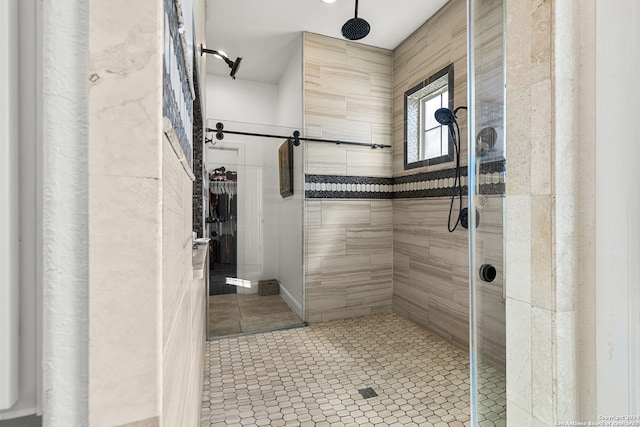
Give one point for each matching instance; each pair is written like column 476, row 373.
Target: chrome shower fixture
column 234, row 65
column 355, row 28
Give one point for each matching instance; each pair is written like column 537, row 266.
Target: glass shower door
column 486, row 184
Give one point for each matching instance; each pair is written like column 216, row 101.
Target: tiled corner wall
column 431, row 272
column 431, row 283
column 430, row 275
column 376, row 236
column 348, row 256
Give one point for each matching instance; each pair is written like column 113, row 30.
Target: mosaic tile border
column 425, row 184
column 177, row 103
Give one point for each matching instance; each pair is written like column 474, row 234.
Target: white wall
column 618, row 203
column 246, row 105
column 269, row 227
column 65, row 320
column 240, row 100
column 9, row 202
column 290, row 228
column 30, row 209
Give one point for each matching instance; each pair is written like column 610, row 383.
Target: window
column 427, row 142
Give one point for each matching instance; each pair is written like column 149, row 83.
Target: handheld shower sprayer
column 446, row 117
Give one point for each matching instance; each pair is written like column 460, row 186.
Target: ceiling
column 265, row 33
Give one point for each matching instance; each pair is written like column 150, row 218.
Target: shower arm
column 296, row 138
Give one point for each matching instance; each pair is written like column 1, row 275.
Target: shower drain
column 367, row 392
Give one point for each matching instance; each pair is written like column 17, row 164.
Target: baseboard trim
column 291, row 302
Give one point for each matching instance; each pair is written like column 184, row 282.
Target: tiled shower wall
column 379, row 244
column 348, row 255
column 430, row 277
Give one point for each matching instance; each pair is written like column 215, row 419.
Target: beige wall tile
column 435, row 279
column 401, row 211
column 324, row 104
column 337, row 79
column 449, row 249
column 313, row 265
column 413, row 63
column 541, row 365
column 492, row 340
column 450, row 318
column 177, row 194
column 518, row 45
column 541, row 146
column 412, row 242
column 518, row 248
column 370, row 294
column 372, row 109
column 342, row 129
column 313, row 214
column 373, row 59
column 326, row 242
column 381, row 213
column 319, row 48
column 325, row 159
column 124, row 271
column 461, row 285
column 322, row 299
column 567, row 380
column 518, row 133
column 567, row 261
column 346, row 213
column 346, row 313
column 381, row 133
column 541, row 39
column 347, row 97
column 542, row 288
column 345, row 265
column 519, row 363
column 517, row 416
column 363, row 161
column 368, row 240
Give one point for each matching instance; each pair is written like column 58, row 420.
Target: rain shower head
column 355, row 28
column 445, row 116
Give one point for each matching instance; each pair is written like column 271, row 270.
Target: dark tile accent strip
column 172, row 106
column 346, row 195
column 339, row 179
column 344, row 187
column 198, row 163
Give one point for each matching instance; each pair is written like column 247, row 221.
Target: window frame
column 448, row 157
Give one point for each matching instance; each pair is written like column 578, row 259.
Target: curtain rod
column 219, row 130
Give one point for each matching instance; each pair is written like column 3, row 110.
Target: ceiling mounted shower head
column 445, row 116
column 355, row 28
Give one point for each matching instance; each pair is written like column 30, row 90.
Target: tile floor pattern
column 311, row 376
column 241, row 313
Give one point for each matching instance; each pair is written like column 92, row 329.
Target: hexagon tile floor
column 378, row 370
